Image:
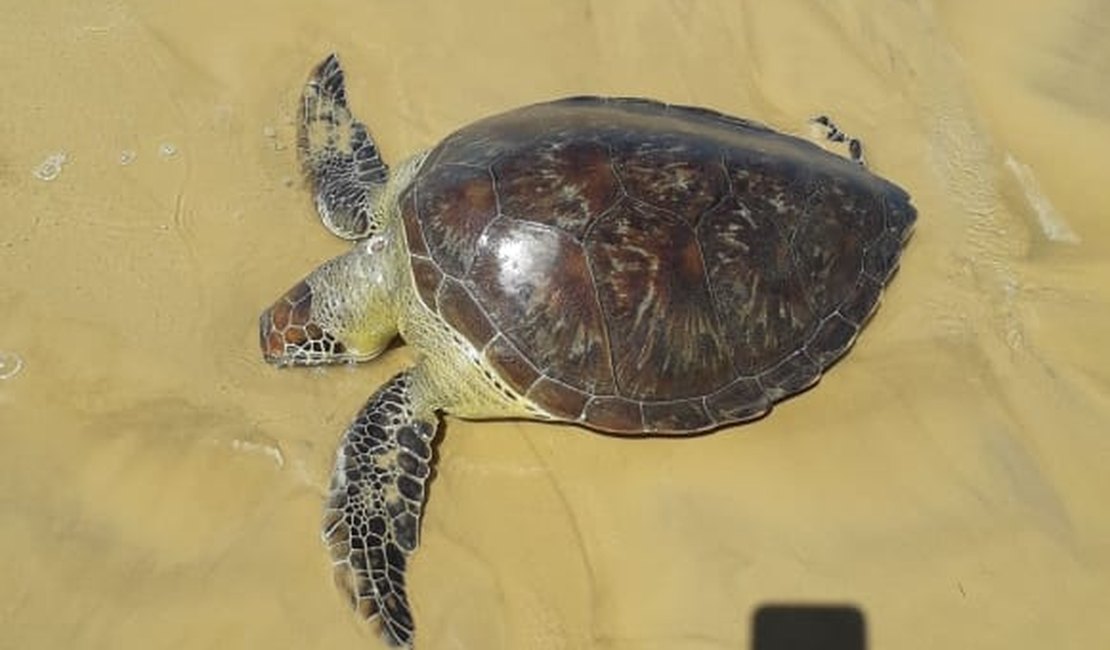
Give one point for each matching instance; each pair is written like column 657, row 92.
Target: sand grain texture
column 162, row 487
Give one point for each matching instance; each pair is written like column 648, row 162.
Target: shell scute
column 743, row 399
column 560, row 183
column 829, row 244
column 535, row 282
column 561, row 400
column 862, row 301
column 831, row 339
column 772, row 187
column 643, row 267
column 454, row 203
column 793, row 374
column 414, row 234
column 510, row 363
column 459, row 308
column 665, row 338
column 616, row 414
column 673, row 172
column 428, row 278
column 681, row 415
column 756, row 286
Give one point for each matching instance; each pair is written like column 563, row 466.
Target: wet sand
column 162, row 487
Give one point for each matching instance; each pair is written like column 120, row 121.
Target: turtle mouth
column 289, row 337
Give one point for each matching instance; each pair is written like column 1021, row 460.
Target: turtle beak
column 289, row 336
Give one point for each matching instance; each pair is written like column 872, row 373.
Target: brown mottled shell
column 639, row 267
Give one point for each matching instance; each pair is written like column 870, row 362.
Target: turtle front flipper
column 339, row 156
column 372, row 521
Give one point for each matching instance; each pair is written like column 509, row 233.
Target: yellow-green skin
column 352, row 307
column 349, row 310
column 451, row 375
column 362, row 299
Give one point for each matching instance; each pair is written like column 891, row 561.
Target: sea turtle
column 621, row 264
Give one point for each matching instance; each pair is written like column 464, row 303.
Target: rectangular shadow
column 809, row 627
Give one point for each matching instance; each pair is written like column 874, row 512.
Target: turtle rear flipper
column 372, row 522
column 826, row 129
column 339, row 156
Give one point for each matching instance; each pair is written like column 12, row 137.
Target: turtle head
column 344, row 311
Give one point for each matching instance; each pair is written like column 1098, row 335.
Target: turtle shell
column 640, row 267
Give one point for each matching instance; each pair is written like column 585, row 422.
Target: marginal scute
column 561, row 400
column 646, row 267
column 743, row 399
column 862, row 301
column 681, row 415
column 900, row 215
column 507, row 360
column 829, row 244
column 414, row 235
column 457, row 307
column 831, row 340
column 428, row 277
column 793, row 374
column 615, row 414
column 881, row 258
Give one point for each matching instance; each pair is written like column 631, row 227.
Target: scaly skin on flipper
column 372, row 521
column 832, row 133
column 627, row 265
column 339, row 156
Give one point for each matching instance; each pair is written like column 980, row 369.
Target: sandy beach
column 163, row 487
